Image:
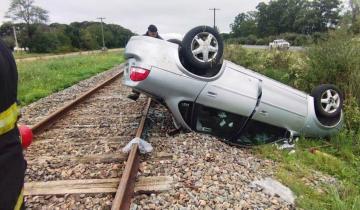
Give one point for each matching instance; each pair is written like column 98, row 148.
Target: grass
column 337, row 158
column 338, row 161
column 21, row 55
column 38, row 79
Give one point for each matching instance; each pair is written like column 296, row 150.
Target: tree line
column 298, row 21
column 295, row 20
column 65, row 38
column 35, row 35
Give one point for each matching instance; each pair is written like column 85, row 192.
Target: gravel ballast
column 207, row 173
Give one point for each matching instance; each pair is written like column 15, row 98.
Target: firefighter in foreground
column 12, row 163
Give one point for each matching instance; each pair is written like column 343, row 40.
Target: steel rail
column 125, row 191
column 48, row 121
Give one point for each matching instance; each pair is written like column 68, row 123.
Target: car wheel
column 203, row 48
column 328, row 100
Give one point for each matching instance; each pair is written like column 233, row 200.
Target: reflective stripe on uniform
column 20, row 200
column 8, row 119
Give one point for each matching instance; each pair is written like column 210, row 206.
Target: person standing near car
column 152, row 32
column 12, row 163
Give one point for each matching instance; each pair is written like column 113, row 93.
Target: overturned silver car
column 210, row 95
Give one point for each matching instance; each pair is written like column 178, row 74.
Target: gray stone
column 273, row 187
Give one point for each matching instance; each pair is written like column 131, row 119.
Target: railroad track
column 76, row 160
column 77, row 163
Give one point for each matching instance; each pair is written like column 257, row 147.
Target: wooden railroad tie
column 102, row 158
column 145, row 185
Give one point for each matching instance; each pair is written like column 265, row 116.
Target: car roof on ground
column 168, row 36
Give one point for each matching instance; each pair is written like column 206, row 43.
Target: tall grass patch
column 336, row 61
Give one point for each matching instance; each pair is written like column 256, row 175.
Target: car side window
column 217, row 122
column 257, row 133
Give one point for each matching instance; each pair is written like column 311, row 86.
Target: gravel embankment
column 208, row 173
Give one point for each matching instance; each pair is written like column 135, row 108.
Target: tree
column 44, row 40
column 326, row 13
column 292, row 16
column 65, row 38
column 25, row 11
column 244, row 24
column 355, row 9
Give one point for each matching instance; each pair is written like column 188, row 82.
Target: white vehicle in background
column 279, row 44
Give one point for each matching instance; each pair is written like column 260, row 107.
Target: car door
column 225, row 104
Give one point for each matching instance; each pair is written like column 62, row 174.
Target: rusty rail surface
column 48, row 121
column 125, row 192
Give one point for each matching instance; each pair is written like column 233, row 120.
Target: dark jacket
column 8, row 78
column 157, row 36
column 12, row 163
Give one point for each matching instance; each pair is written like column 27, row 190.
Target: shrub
column 302, row 40
column 290, row 37
column 251, row 40
column 336, row 61
column 261, row 42
column 237, row 40
column 9, row 41
column 319, row 37
column 44, row 42
column 352, row 116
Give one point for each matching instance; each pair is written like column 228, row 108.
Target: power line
column 214, row 9
column 102, row 32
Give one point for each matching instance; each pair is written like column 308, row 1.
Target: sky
column 170, row 16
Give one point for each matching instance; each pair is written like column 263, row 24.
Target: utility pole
column 102, row 32
column 214, row 9
column 15, row 37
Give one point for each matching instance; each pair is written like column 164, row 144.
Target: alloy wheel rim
column 204, row 47
column 330, row 101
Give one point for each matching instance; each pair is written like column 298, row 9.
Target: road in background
column 266, row 47
column 46, row 57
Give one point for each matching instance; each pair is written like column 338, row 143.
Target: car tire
column 202, row 48
column 328, row 101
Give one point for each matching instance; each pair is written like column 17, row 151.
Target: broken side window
column 257, row 133
column 217, row 122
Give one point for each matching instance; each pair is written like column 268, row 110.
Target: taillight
column 138, row 74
